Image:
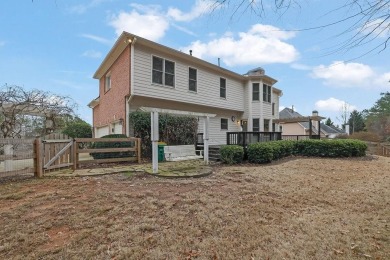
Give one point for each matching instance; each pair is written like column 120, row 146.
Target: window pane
column 222, row 93
column 157, row 77
column 157, row 63
column 192, row 74
column 169, row 79
column 256, row 124
column 255, row 91
column 222, row 88
column 169, row 67
column 264, row 92
column 224, row 124
column 192, row 85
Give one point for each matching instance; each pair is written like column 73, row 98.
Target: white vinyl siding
column 218, row 136
column 208, row 83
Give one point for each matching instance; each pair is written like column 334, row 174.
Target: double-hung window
column 163, row 72
column 256, row 124
column 266, row 93
column 224, row 124
column 222, row 88
column 192, row 79
column 256, row 92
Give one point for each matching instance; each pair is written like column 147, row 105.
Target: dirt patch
column 297, row 208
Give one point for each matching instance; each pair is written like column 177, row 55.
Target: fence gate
column 56, row 152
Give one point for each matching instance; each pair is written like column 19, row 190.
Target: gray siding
column 207, row 83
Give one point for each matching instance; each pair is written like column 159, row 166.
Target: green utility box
column 161, row 155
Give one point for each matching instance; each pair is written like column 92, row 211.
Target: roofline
column 126, row 39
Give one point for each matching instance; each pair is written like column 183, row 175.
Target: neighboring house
column 140, row 73
column 303, row 127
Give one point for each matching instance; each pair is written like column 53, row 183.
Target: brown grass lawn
column 294, row 209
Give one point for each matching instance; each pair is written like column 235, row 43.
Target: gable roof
column 287, row 113
column 126, row 39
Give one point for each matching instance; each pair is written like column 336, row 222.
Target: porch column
column 206, row 124
column 154, row 139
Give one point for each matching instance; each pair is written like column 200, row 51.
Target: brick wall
column 112, row 103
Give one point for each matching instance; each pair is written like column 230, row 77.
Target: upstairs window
column 192, row 79
column 256, row 92
column 163, row 72
column 222, row 88
column 266, row 93
column 256, row 125
column 224, row 124
column 107, row 82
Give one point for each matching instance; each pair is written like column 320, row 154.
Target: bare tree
column 344, row 114
column 365, row 20
column 22, row 109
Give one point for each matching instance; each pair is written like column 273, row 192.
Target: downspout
column 131, row 86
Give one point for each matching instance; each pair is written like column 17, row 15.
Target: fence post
column 139, row 149
column 75, row 159
column 38, row 169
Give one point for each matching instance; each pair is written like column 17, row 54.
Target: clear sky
column 56, row 45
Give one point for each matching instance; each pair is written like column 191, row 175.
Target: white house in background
column 140, row 73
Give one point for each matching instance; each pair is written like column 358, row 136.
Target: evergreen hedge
column 173, row 129
column 274, row 150
column 232, row 154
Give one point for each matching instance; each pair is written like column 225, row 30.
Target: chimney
column 191, row 52
column 219, row 62
column 292, row 108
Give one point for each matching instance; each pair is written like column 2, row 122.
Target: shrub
column 260, row 153
column 97, row 145
column 365, row 136
column 78, row 130
column 232, row 154
column 266, row 152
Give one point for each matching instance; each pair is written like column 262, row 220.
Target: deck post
column 154, row 137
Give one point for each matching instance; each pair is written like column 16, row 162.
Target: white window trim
column 224, row 98
column 227, row 125
column 257, row 100
column 163, row 72
column 196, row 85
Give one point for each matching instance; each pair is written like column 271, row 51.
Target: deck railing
column 245, row 138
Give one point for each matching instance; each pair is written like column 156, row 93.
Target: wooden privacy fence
column 58, row 151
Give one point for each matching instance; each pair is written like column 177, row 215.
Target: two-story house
column 140, row 73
